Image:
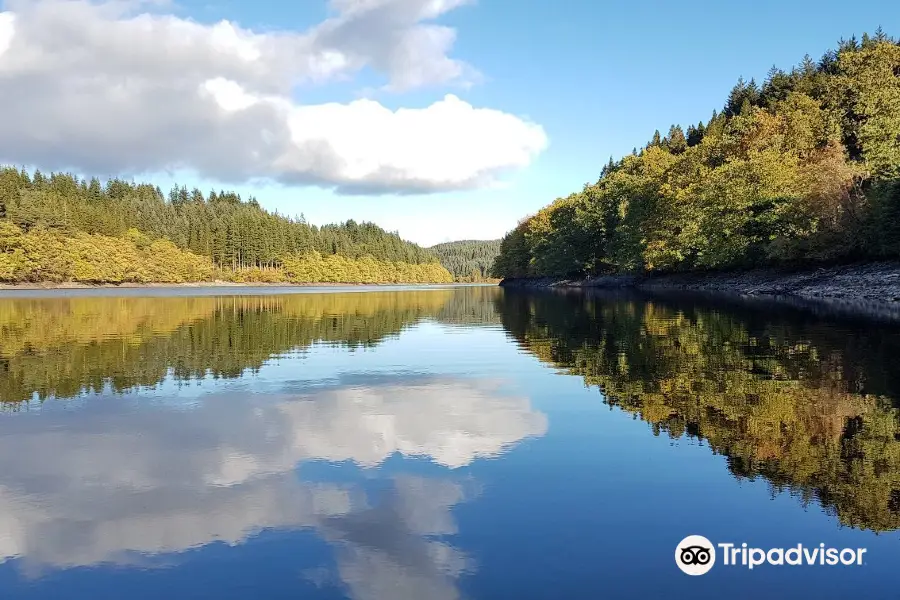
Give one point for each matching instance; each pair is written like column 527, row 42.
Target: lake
column 438, row 443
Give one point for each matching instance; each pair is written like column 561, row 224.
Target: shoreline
column 877, row 282
column 75, row 285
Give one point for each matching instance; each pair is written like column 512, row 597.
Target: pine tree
column 742, row 93
column 95, row 190
column 777, row 86
column 608, row 168
column 695, row 134
column 677, row 143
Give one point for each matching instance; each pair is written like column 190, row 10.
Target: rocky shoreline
column 867, row 283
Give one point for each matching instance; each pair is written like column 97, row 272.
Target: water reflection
column 810, row 405
column 398, row 445
column 390, row 551
column 115, row 480
column 61, row 347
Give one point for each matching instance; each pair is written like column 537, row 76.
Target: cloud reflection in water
column 115, row 481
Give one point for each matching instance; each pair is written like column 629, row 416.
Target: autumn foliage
column 804, row 169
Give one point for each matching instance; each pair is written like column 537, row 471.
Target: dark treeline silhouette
column 810, row 405
column 41, row 215
column 468, row 260
column 804, row 168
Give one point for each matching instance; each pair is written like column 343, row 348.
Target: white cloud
column 103, row 88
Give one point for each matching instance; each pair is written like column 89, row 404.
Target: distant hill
column 468, row 260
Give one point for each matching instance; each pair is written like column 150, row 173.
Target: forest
column 803, row 169
column 810, row 408
column 59, row 227
column 469, row 261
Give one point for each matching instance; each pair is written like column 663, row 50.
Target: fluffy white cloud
column 105, row 88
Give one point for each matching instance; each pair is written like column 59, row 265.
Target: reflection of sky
column 107, row 479
column 423, row 348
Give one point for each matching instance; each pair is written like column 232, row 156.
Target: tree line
column 468, row 260
column 62, row 227
column 802, row 169
column 52, row 255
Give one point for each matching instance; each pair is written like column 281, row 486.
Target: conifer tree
column 677, row 143
column 695, row 134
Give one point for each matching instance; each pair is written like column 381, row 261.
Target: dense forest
column 468, row 260
column 802, row 169
column 809, row 407
column 58, row 227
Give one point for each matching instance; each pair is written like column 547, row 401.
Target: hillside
column 468, row 260
column 58, row 227
column 802, row 170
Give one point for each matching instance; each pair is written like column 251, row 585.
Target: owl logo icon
column 695, row 555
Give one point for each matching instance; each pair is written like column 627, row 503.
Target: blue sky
column 598, row 77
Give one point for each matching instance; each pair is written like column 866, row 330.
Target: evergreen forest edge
column 62, row 228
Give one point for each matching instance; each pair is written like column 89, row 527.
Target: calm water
column 440, row 443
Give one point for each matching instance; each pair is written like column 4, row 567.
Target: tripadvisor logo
column 696, row 555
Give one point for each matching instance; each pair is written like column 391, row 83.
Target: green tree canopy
column 468, row 260
column 802, row 170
